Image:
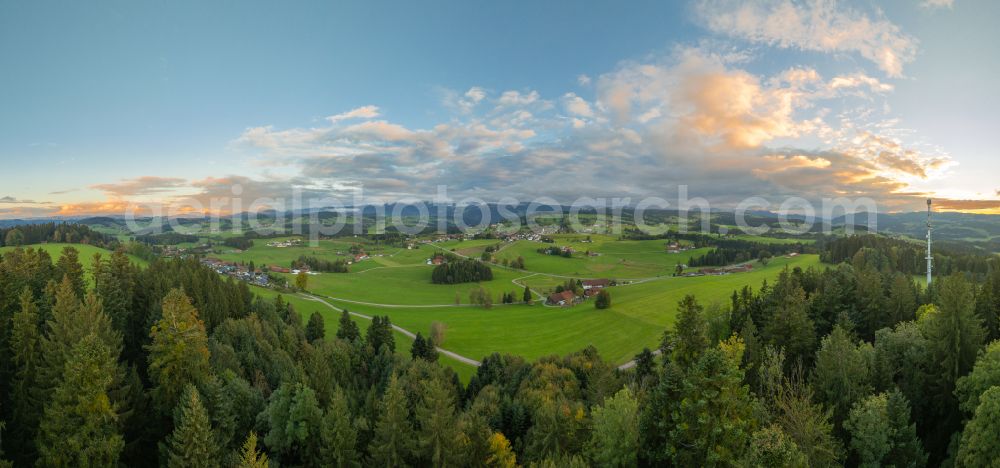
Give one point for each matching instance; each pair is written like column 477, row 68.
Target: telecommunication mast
column 930, row 258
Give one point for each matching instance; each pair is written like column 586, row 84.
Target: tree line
column 27, row 234
column 907, row 256
column 318, row 264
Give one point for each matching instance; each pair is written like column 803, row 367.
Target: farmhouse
column 278, row 269
column 596, row 283
column 436, row 260
column 563, row 298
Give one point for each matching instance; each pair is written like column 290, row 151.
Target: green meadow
column 411, row 285
column 614, row 259
column 639, row 314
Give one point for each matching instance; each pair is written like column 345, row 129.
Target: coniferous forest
column 171, row 365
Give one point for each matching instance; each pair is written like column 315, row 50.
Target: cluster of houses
column 304, row 269
column 674, row 247
column 235, row 270
column 285, row 243
column 567, row 297
column 171, row 251
column 726, row 270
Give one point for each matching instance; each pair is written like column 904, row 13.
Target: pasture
column 608, row 259
column 638, row 315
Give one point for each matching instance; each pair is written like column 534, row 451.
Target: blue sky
column 111, row 102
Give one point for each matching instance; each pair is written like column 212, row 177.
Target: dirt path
column 455, row 356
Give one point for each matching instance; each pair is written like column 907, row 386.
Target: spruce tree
column 954, row 337
column 80, row 424
column 419, row 348
column 339, row 435
column 315, row 327
column 69, row 266
column 25, row 343
column 394, row 439
column 347, row 330
column 439, row 431
column 70, row 322
column 191, row 444
column 690, row 332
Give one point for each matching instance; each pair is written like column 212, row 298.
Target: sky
column 104, row 105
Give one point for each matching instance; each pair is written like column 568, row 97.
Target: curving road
column 451, row 354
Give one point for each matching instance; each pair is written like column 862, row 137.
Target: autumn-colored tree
column 501, row 455
column 302, row 281
column 178, row 353
column 250, row 457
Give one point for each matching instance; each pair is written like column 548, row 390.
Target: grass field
column 616, row 259
column 637, row 318
column 411, row 285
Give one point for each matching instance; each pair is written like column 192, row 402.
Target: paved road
column 631, row 364
column 455, row 356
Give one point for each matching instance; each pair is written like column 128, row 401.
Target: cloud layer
column 813, row 25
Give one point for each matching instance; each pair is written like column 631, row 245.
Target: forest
column 461, row 270
column 27, row 234
column 172, row 365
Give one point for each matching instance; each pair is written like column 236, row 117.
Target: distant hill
column 978, row 229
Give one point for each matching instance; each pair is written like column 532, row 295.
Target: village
column 238, row 271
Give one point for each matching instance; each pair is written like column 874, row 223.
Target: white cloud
column 814, row 25
column 516, row 98
column 366, row 112
column 933, row 4
column 577, row 106
column 859, row 80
